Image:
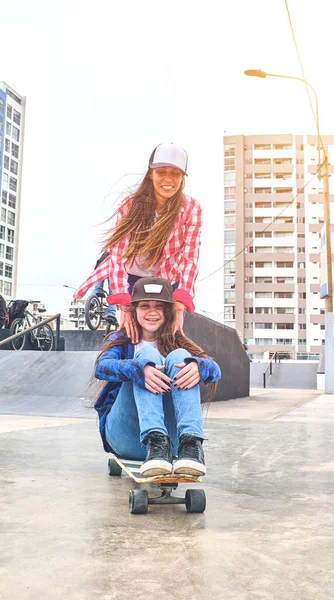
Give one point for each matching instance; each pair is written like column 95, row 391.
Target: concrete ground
column 267, row 532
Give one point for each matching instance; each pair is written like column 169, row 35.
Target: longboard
column 132, row 469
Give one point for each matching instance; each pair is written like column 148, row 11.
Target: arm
column 111, row 367
column 189, row 256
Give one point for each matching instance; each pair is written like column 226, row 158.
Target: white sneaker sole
column 156, row 467
column 188, row 467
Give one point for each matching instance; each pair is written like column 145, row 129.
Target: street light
column 328, row 292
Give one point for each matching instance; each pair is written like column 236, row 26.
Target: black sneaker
column 159, row 455
column 190, row 459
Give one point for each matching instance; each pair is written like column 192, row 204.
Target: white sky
column 107, row 81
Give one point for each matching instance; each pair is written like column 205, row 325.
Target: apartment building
column 273, row 214
column 12, row 116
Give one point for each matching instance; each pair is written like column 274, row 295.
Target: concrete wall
column 224, row 346
column 290, row 375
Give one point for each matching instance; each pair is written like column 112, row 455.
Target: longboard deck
column 132, row 468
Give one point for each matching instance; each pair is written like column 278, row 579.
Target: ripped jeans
column 137, row 411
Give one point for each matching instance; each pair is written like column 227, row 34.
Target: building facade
column 12, row 117
column 273, row 215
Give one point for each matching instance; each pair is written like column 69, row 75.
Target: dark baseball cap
column 152, row 288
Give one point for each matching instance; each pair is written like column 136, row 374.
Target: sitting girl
column 151, row 397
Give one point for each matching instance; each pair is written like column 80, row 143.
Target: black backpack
column 15, row 310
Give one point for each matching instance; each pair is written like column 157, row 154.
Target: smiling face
column 166, row 182
column 150, row 316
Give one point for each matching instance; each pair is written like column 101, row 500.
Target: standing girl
column 157, row 233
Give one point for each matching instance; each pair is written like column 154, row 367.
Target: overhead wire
column 316, row 120
column 262, row 231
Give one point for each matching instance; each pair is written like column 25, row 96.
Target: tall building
column 272, row 228
column 12, row 115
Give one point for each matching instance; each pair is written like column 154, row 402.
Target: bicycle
column 95, row 312
column 43, row 335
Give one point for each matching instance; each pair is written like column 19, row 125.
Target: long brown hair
column 147, row 236
column 166, row 341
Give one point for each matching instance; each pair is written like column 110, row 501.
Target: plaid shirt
column 178, row 262
column 118, row 365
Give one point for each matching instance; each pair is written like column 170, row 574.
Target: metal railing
column 36, row 326
column 275, row 356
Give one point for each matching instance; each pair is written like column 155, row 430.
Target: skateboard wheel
column 195, row 501
column 138, row 502
column 113, row 468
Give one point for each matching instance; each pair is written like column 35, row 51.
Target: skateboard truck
column 139, row 499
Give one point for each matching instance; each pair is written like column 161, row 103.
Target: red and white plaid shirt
column 178, row 262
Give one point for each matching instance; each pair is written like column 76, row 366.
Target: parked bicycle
column 23, row 319
column 96, row 312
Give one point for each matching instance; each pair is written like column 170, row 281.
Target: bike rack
column 36, row 326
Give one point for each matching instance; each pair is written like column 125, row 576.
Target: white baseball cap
column 169, row 155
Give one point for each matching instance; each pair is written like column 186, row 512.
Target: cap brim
column 152, row 298
column 157, row 165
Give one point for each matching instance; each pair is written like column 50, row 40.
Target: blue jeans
column 111, row 310
column 136, row 411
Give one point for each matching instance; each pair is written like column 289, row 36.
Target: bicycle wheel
column 93, row 312
column 16, row 327
column 44, row 338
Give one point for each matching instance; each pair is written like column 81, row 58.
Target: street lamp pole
column 324, row 175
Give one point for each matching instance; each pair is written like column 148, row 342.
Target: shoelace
column 158, row 448
column 192, row 448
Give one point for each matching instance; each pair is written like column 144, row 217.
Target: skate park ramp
column 47, row 383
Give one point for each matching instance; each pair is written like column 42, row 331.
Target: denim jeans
column 111, row 310
column 136, row 411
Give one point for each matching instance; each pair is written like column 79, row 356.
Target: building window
column 262, row 161
column 229, row 236
column 284, row 265
column 262, row 146
column 4, row 197
column 229, row 281
column 229, row 150
column 282, row 146
column 229, row 179
column 229, row 297
column 302, row 311
column 6, row 162
column 229, row 312
column 2, row 250
column 7, row 145
column 11, row 218
column 16, row 117
column 1, row 269
column 263, row 265
column 1, row 104
column 229, row 207
column 229, row 164
column 262, row 175
column 262, row 190
column 8, row 128
column 263, row 325
column 12, row 201
column 3, row 215
column 302, row 325
column 229, row 192
column 16, row 133
column 284, row 325
column 7, row 288
column 8, row 271
column 2, row 232
column 283, row 295
column 9, row 111
column 287, row 310
column 263, row 342
column 10, row 235
column 5, row 180
column 15, row 150
column 283, row 342
column 9, row 252
column 263, row 294
column 263, row 310
column 13, row 184
column 14, row 166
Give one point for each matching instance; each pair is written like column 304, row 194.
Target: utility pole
column 329, row 346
